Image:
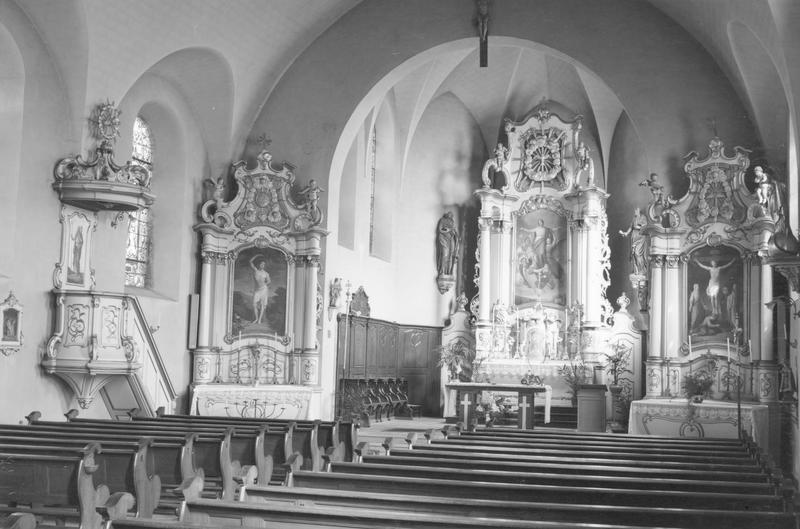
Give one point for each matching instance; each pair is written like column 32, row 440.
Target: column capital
column 657, row 261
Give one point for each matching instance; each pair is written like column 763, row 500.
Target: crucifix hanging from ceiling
column 482, row 22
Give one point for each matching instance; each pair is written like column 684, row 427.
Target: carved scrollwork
column 129, row 348
column 543, row 202
column 672, row 261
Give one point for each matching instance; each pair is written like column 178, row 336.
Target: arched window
column 140, row 230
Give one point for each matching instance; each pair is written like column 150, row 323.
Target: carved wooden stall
column 257, row 346
column 369, row 348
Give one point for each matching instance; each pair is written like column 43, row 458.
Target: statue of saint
column 638, row 255
column 446, row 245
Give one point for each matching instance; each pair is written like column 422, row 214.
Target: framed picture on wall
column 715, row 286
column 259, row 293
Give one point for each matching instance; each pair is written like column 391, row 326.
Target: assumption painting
column 715, row 293
column 541, row 254
column 259, row 292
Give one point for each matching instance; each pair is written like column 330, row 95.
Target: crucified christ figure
column 712, row 290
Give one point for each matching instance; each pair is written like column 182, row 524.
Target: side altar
column 703, row 274
column 257, row 352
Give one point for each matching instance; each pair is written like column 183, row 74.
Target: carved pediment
column 265, row 199
column 542, row 148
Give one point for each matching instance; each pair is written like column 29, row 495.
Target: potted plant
column 616, row 366
column 574, row 374
column 698, row 385
column 457, row 358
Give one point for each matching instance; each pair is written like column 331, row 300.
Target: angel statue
column 656, row 189
column 498, row 165
column 311, row 193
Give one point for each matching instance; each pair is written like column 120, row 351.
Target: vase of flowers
column 458, row 360
column 698, row 385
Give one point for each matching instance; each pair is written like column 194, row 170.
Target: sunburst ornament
column 106, row 121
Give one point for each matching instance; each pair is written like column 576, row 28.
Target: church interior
column 570, row 221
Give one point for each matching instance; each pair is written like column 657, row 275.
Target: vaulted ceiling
column 107, row 44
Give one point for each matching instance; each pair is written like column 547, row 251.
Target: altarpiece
column 543, row 255
column 257, row 351
column 704, row 278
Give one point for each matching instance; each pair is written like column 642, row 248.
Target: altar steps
column 560, row 417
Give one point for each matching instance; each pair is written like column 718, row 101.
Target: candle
column 750, row 346
column 240, row 335
column 728, row 344
column 690, row 343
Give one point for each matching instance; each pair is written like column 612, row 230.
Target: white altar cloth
column 711, row 418
column 264, row 401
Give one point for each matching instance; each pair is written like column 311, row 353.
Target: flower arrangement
column 698, row 384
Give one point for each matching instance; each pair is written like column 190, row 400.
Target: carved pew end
column 293, row 463
column 191, row 487
column 71, row 414
column 387, row 446
column 411, row 438
column 33, row 417
column 360, row 450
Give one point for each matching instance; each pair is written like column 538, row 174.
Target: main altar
column 543, row 260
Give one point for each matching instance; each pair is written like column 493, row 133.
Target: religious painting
column 541, row 250
column 715, row 292
column 75, row 268
column 259, row 292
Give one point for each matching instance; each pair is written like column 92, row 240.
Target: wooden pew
column 478, row 461
column 121, row 466
column 215, row 513
column 18, row 520
column 529, row 449
column 214, row 447
column 57, row 483
column 335, row 438
column 541, row 493
column 612, row 448
column 520, row 510
column 209, row 451
column 519, row 475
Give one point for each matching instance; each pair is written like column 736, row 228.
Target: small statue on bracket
column 498, row 164
column 311, row 193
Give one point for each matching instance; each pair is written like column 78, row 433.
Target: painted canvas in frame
column 541, row 251
column 259, row 292
column 715, row 293
column 77, row 231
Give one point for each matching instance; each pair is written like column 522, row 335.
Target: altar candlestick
column 240, row 336
column 728, row 344
column 690, row 344
column 750, row 347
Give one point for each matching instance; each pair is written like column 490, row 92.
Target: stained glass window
column 138, row 251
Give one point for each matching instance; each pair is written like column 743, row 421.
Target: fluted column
column 656, row 348
column 204, row 312
column 310, row 320
column 484, row 296
column 505, row 264
column 654, row 370
column 671, row 332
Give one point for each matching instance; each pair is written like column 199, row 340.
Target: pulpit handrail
column 151, row 345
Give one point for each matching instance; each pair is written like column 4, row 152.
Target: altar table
column 264, row 401
column 711, row 418
column 469, row 397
